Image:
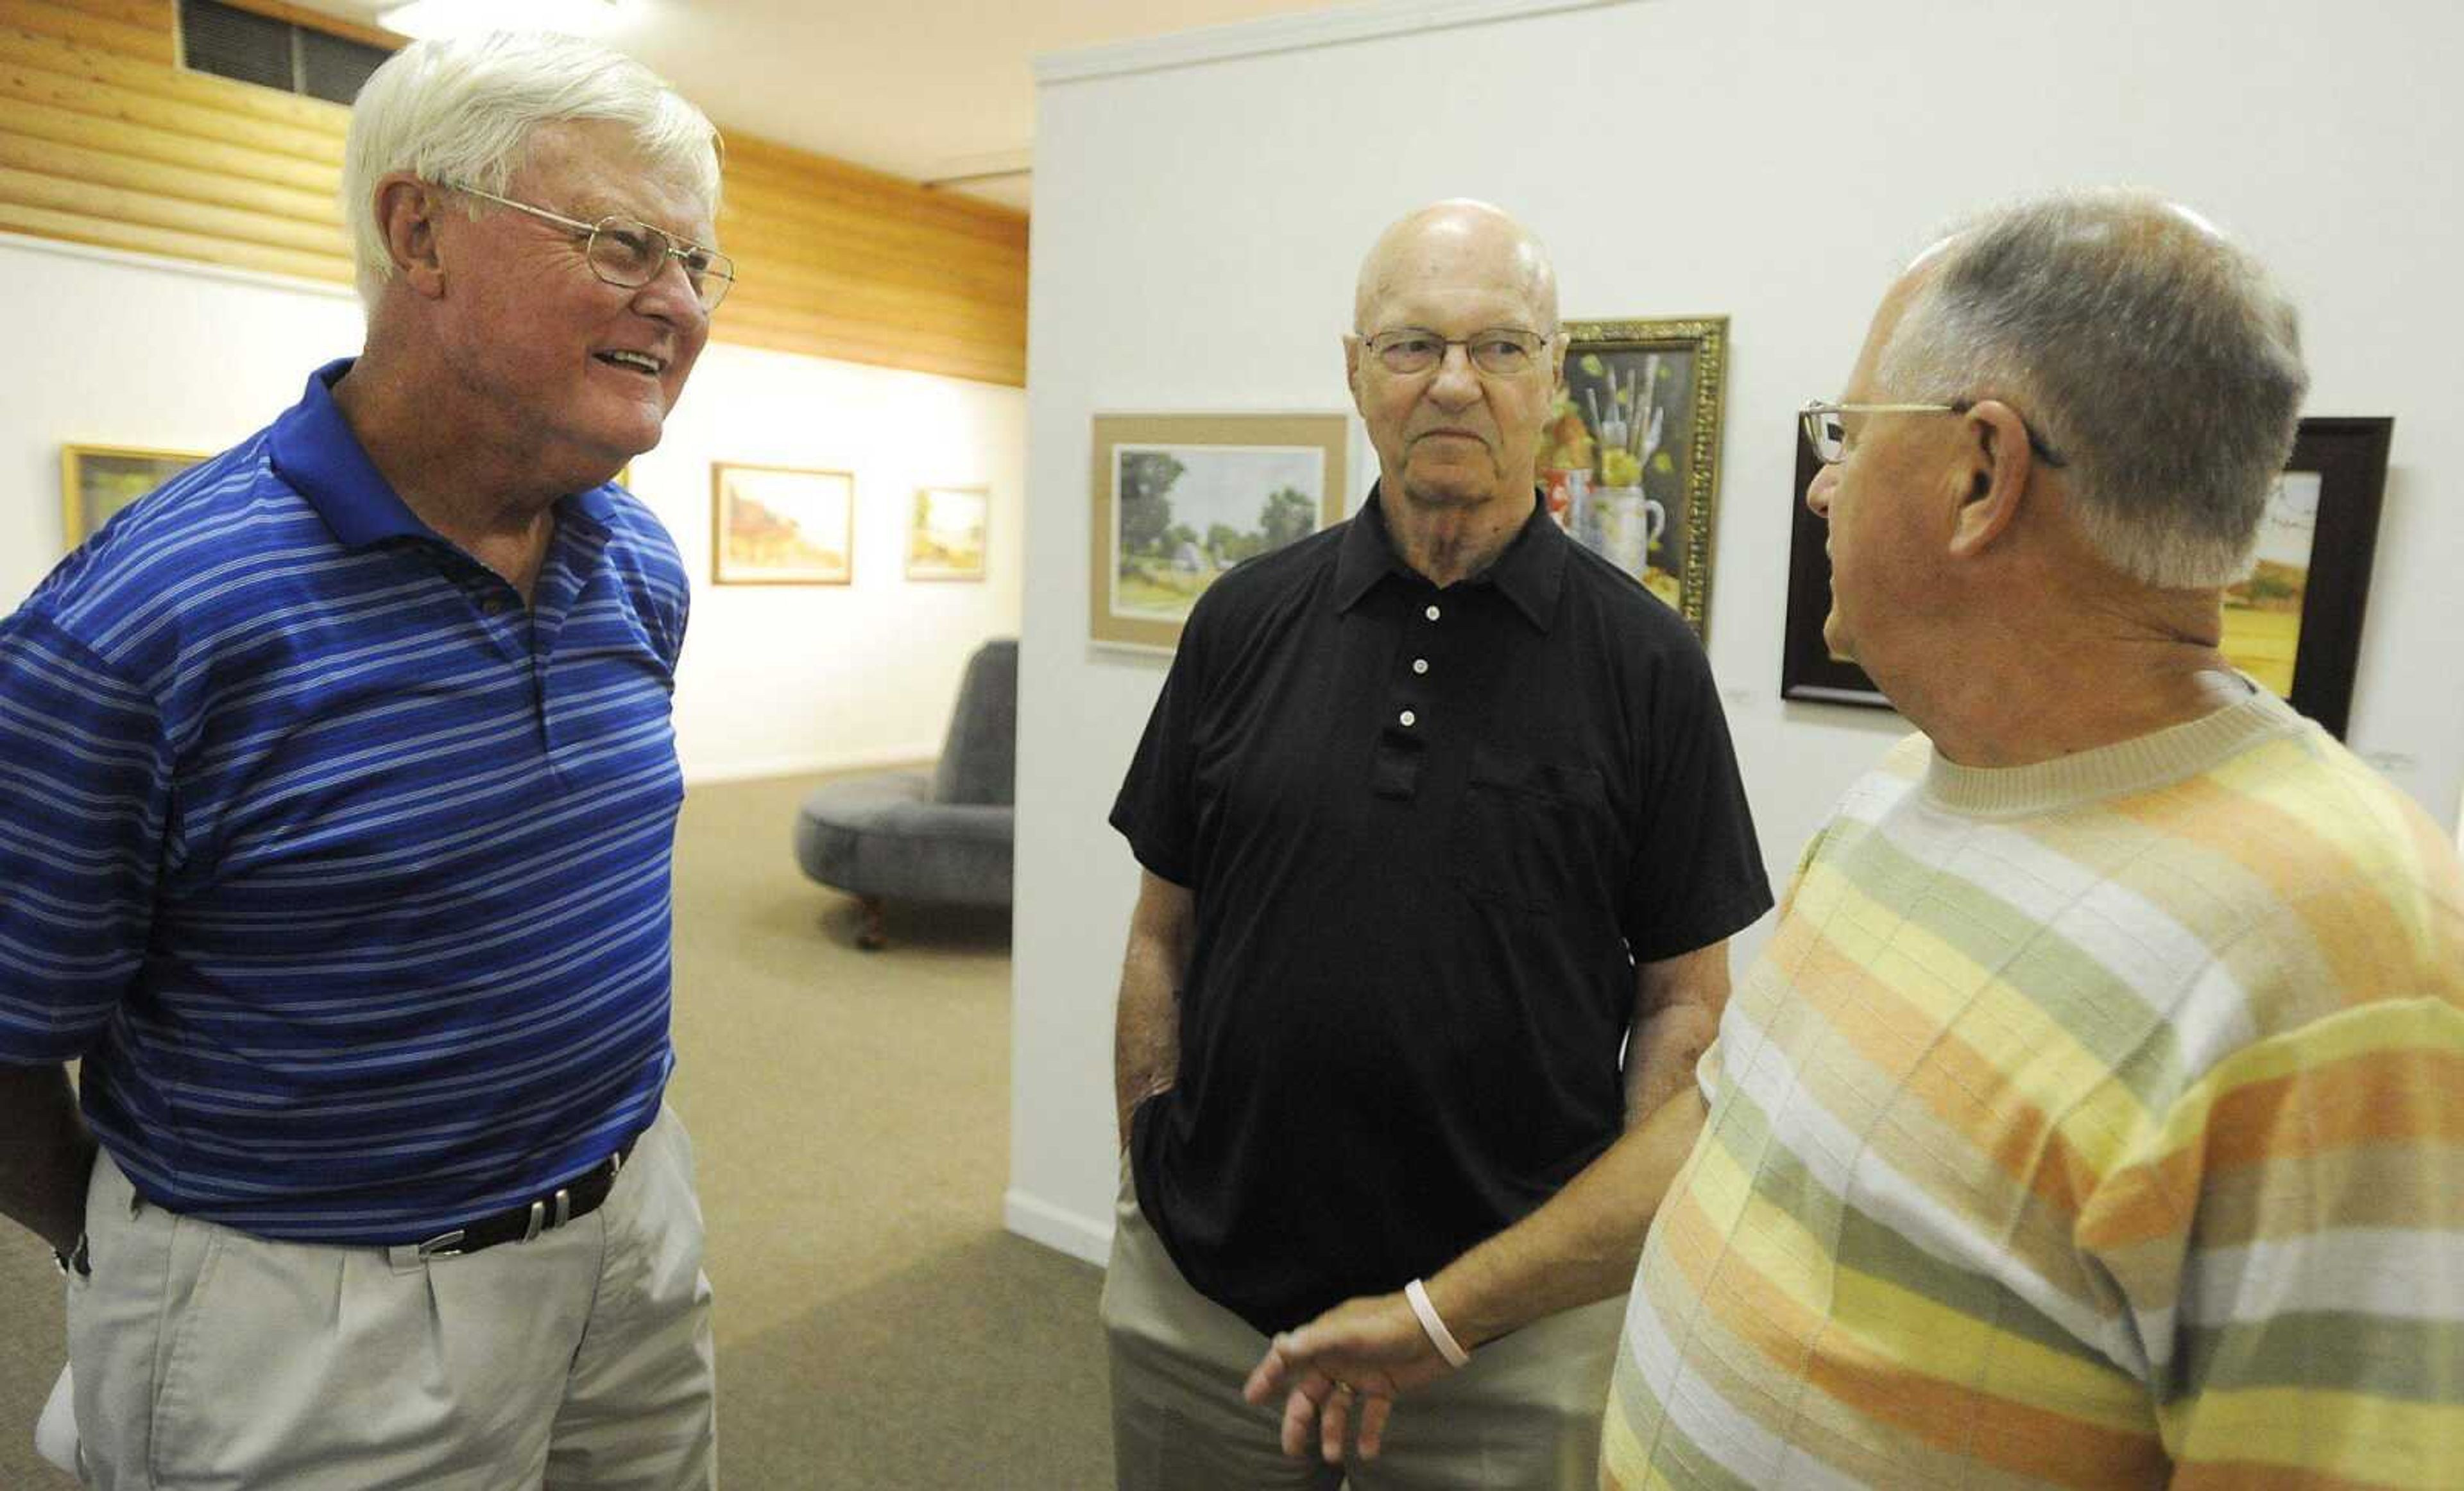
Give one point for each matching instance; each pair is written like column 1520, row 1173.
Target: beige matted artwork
column 945, row 533
column 99, row 481
column 1180, row 499
column 780, row 525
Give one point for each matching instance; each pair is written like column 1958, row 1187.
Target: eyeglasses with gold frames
column 628, row 253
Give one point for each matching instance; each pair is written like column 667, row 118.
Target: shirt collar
column 314, row 451
column 1530, row 573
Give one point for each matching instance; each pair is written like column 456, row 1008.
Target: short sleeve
column 84, row 798
column 1156, row 809
column 1698, row 871
column 2288, row 1250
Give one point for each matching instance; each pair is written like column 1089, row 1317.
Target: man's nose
column 1456, row 381
column 670, row 295
column 1817, row 495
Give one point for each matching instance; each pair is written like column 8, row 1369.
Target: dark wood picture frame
column 2349, row 455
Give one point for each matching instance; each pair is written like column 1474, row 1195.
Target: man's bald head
column 1431, row 241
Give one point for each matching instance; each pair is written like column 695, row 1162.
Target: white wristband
column 1439, row 1335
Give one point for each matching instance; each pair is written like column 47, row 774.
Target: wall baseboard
column 1064, row 1232
column 807, row 764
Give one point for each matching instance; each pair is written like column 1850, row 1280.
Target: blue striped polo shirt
column 347, row 875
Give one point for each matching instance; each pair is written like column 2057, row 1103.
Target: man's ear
column 406, row 209
column 1997, row 468
column 1352, row 347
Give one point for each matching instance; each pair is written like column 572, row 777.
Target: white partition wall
column 117, row 349
column 1202, row 205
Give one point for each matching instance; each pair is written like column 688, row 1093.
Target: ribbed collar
column 2138, row 764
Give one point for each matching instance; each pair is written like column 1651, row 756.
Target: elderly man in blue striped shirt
column 338, row 792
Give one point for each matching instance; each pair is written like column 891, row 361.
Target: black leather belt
column 577, row 1197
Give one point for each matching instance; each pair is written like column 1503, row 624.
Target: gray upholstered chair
column 939, row 835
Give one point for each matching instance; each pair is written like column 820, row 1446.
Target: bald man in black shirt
column 1435, row 810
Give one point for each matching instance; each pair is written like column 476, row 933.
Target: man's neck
column 2005, row 694
column 1449, row 541
column 458, row 486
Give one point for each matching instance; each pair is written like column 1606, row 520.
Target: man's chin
column 1448, row 485
column 1835, row 639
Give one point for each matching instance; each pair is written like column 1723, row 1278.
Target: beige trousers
column 208, row 1358
column 1526, row 1414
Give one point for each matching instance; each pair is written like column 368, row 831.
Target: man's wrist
column 1434, row 1325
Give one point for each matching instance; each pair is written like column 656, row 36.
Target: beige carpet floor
column 850, row 1115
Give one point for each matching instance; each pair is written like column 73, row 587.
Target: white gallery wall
column 118, row 349
column 1201, row 204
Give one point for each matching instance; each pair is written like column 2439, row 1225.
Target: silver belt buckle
column 444, row 1245
column 540, row 1222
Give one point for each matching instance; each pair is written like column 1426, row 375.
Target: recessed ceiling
column 925, row 89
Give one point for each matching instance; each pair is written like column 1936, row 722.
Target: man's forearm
column 1145, row 1041
column 1583, row 1244
column 46, row 1154
column 1146, row 1023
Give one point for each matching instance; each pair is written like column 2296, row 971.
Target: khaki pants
column 1526, row 1414
column 208, row 1358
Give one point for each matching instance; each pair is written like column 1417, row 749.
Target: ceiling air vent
column 231, row 42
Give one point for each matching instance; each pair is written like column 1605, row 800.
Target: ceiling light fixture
column 466, row 17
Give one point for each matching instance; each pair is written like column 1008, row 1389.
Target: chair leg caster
column 874, row 936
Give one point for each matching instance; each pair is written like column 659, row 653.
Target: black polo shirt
column 1428, row 832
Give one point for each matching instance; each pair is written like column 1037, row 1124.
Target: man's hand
column 1361, row 1354
column 45, row 1154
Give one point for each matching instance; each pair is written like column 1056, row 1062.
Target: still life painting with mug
column 1628, row 455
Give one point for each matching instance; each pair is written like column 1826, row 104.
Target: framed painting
column 1808, row 668
column 1180, row 499
column 1630, row 455
column 945, row 533
column 99, row 481
column 2294, row 623
column 780, row 525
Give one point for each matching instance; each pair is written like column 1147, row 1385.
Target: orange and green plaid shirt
column 2095, row 1123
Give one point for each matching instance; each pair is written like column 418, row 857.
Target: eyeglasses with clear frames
column 627, row 252
column 1828, row 435
column 1499, row 352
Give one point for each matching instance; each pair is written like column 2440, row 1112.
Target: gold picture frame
column 1242, row 484
column 1630, row 457
column 948, row 533
column 98, row 480
column 780, row 525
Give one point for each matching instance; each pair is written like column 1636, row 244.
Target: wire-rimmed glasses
column 627, row 252
column 1499, row 352
column 1828, row 434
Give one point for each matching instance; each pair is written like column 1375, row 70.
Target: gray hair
column 460, row 111
column 2154, row 355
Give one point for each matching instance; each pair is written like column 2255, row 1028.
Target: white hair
column 460, row 111
column 2156, row 357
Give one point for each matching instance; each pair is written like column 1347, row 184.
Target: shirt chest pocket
column 1531, row 834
